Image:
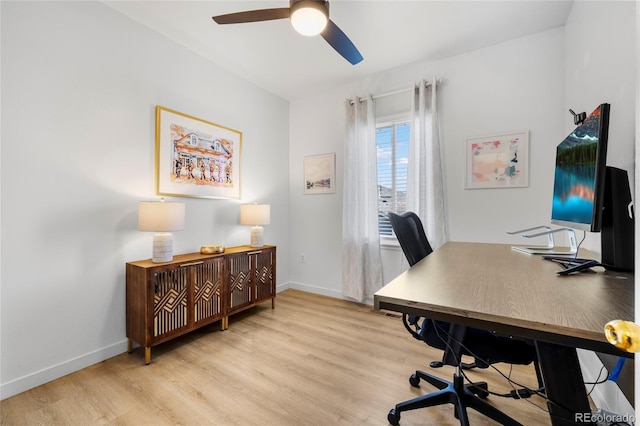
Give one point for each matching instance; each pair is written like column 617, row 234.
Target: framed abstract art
column 497, row 161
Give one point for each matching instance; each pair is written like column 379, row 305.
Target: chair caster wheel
column 414, row 381
column 393, row 417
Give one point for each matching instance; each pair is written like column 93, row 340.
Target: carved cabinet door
column 251, row 277
column 207, row 291
column 170, row 301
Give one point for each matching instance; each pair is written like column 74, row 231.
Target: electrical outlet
column 302, row 260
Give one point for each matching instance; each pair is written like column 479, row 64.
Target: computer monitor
column 580, row 169
column 590, row 196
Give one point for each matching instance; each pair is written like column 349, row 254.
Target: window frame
column 386, row 121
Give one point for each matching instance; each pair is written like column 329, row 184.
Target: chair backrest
column 410, row 233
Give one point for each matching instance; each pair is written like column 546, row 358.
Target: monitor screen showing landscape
column 579, row 173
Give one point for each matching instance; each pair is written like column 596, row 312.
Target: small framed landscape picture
column 320, row 174
column 498, row 161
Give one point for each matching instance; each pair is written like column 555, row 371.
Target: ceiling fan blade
column 253, row 16
column 341, row 43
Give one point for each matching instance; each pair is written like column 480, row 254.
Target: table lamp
column 161, row 217
column 255, row 215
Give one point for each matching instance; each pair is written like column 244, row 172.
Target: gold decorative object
column 623, row 335
column 217, row 248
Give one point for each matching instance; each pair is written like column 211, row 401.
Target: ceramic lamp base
column 162, row 248
column 257, row 236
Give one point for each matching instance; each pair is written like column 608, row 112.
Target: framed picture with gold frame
column 196, row 158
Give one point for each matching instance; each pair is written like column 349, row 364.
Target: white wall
column 513, row 86
column 80, row 83
column 524, row 84
column 600, row 41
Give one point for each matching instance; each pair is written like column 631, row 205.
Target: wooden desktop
column 494, row 287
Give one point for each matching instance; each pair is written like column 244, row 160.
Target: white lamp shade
column 255, row 214
column 309, row 19
column 161, row 217
column 158, row 216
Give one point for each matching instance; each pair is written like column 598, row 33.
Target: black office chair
column 415, row 245
column 486, row 347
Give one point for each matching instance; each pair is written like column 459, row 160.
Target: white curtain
column 425, row 186
column 361, row 264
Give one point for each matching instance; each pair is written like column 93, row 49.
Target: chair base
column 463, row 365
column 457, row 393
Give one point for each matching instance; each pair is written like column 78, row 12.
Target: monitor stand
column 550, row 249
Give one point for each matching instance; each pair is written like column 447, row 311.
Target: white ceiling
column 388, row 34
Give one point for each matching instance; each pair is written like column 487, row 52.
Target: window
column 392, row 143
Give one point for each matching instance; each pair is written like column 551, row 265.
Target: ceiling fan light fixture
column 310, row 18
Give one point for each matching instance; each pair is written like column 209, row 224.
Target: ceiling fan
column 308, row 17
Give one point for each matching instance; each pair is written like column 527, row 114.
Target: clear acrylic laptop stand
column 550, row 247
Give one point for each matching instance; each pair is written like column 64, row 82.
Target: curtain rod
column 395, row 92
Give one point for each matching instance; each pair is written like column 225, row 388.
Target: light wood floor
column 313, row 360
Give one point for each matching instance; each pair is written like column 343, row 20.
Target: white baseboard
column 310, row 289
column 606, row 396
column 48, row 374
column 336, row 294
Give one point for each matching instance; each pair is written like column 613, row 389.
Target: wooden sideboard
column 166, row 300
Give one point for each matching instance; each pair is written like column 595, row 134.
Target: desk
column 493, row 287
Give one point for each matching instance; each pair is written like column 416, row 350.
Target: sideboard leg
column 129, row 345
column 273, row 303
column 147, row 355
